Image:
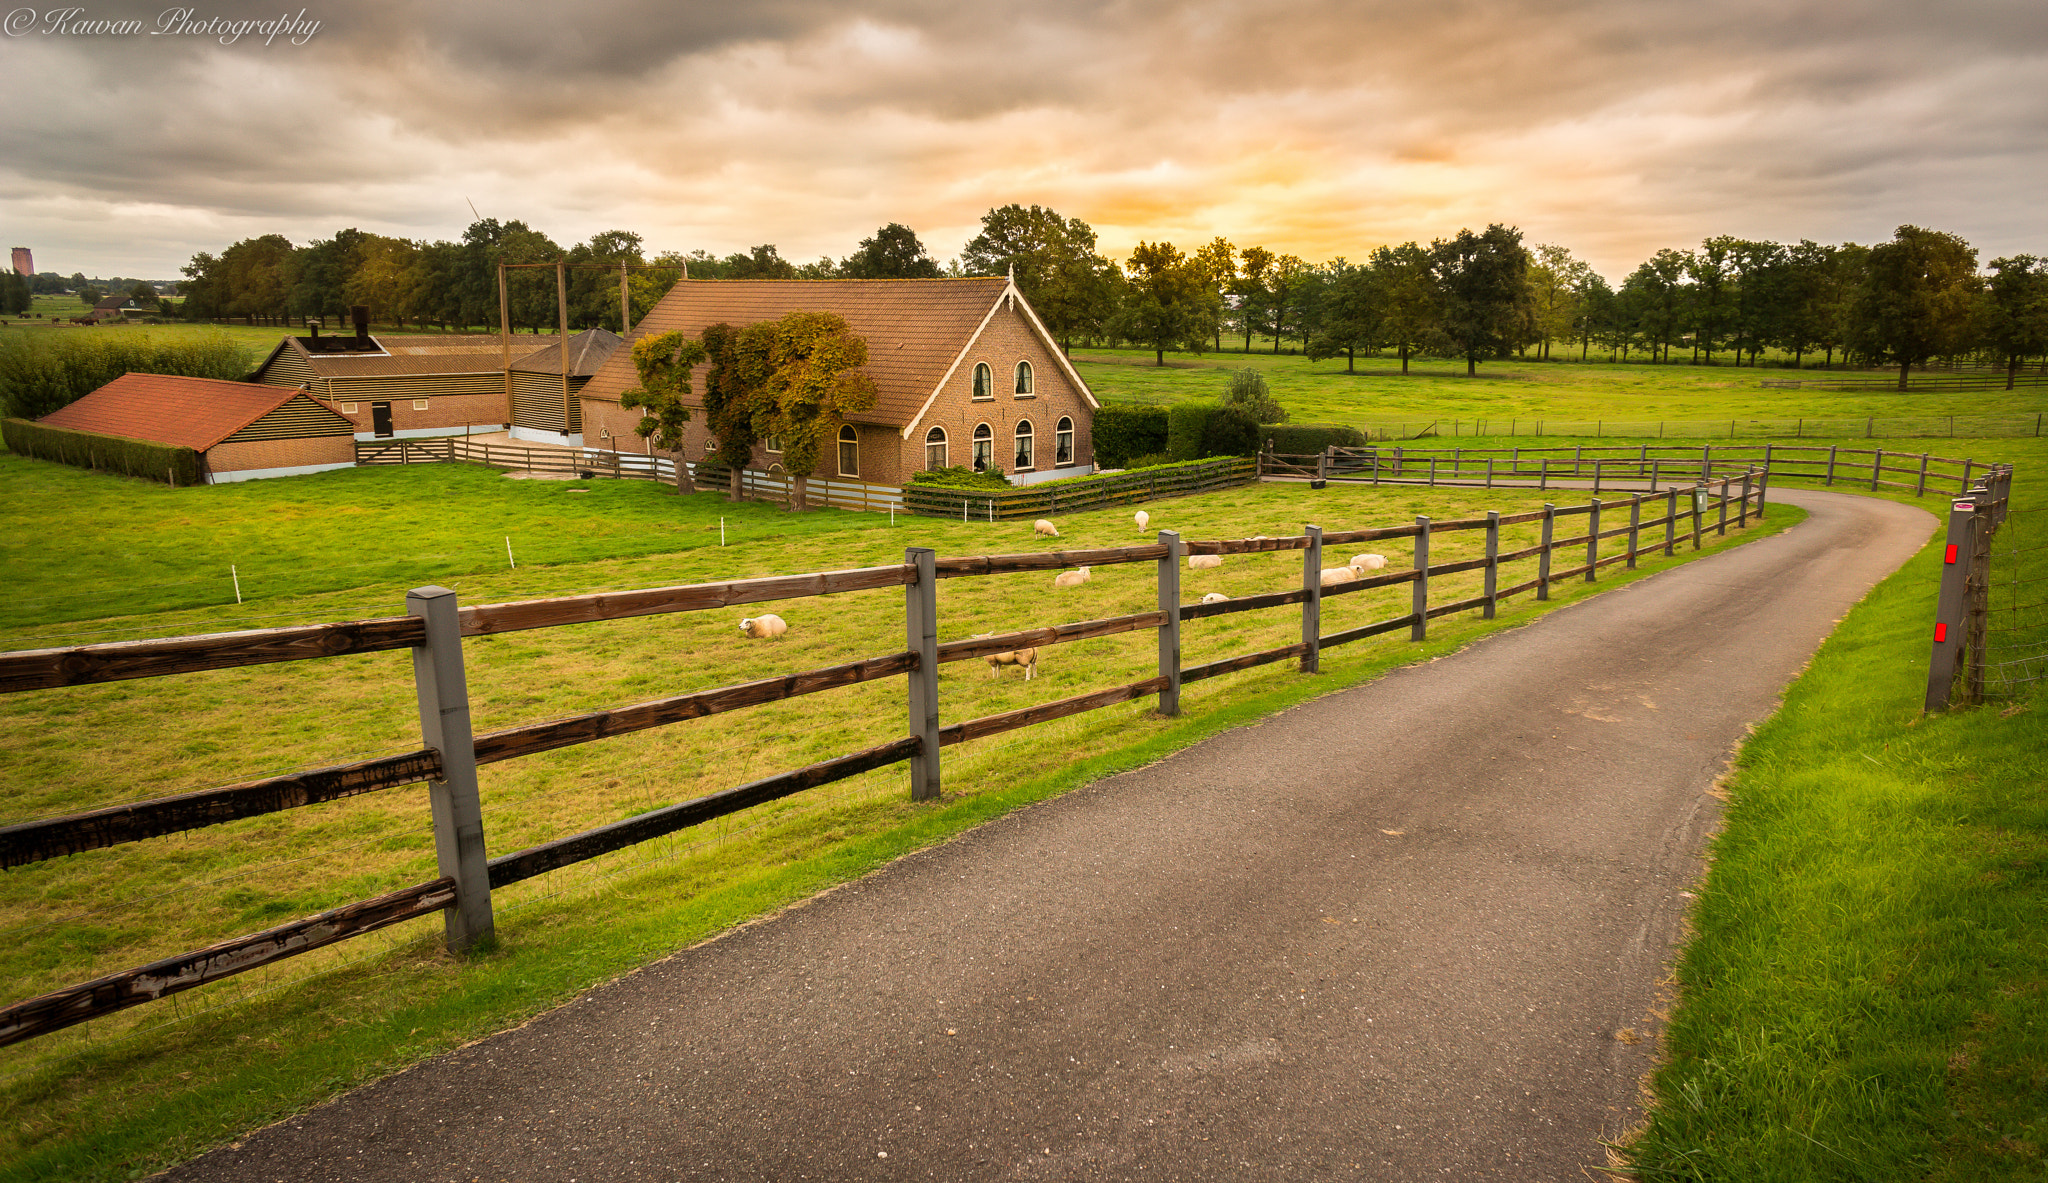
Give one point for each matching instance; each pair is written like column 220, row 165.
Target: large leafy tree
column 893, row 252
column 663, row 361
column 1654, row 301
column 1762, row 294
column 1917, row 298
column 1555, row 282
column 1169, row 302
column 1353, row 314
column 1483, row 281
column 728, row 384
column 1055, row 263
column 1287, row 281
column 320, row 272
column 1255, row 263
column 2013, row 314
column 1217, row 261
column 1711, row 269
column 801, row 392
column 1410, row 299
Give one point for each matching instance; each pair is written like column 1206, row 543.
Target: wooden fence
column 1962, row 608
column 451, row 752
column 1616, row 466
column 1076, row 494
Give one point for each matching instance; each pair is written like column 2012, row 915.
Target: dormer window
column 1023, row 379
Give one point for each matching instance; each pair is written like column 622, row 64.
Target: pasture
column 100, row 1100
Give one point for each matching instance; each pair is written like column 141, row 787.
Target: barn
column 241, row 430
column 966, row 375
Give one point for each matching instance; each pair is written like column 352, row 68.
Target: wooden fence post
column 1489, row 472
column 1699, row 494
column 1920, row 490
column 1953, row 603
column 921, row 637
column 1543, row 556
column 1420, row 599
column 1635, row 527
column 443, row 692
column 1706, row 461
column 1655, row 462
column 1593, row 539
column 1742, row 515
column 1169, row 629
column 1721, row 511
column 1830, row 482
column 1763, row 484
column 1323, row 461
column 1670, row 520
column 1876, row 466
column 1492, row 559
column 1312, row 606
column 1965, row 486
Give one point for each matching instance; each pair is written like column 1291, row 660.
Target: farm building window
column 710, row 445
column 984, row 381
column 348, row 408
column 935, row 448
column 849, row 451
column 1023, row 444
column 1023, row 378
column 419, row 404
column 773, row 443
column 984, row 447
column 1063, row 442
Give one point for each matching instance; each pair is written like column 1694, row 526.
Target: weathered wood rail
column 1643, row 466
column 434, row 627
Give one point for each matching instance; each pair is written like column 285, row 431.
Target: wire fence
column 2016, row 628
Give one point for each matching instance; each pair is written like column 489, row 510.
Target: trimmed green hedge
column 1307, row 438
column 104, row 453
column 959, row 476
column 1124, row 430
column 1198, row 431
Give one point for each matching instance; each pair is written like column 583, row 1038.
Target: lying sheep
column 1205, row 562
column 1332, row 576
column 1143, row 519
column 761, row 627
column 1368, row 562
column 1028, row 658
column 1070, row 578
column 1214, row 597
column 1041, row 526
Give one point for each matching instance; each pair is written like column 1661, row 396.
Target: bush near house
column 1124, row 430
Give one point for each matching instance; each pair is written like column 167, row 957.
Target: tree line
column 1476, row 296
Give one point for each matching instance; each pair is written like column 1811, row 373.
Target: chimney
column 360, row 313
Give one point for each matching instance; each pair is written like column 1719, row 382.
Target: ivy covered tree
column 727, row 411
column 809, row 380
column 663, row 361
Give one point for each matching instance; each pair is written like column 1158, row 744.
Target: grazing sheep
column 1332, row 576
column 1214, row 597
column 1143, row 519
column 1028, row 658
column 1071, row 578
column 1205, row 562
column 760, row 627
column 1041, row 526
column 1368, row 562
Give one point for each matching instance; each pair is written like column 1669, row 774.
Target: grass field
column 132, row 1091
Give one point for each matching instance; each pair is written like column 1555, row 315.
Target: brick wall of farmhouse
column 1007, row 340
column 239, row 456
column 483, row 411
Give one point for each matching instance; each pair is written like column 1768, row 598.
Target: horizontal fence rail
column 1840, row 427
column 435, row 627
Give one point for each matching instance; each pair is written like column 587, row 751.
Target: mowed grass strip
column 1866, row 997
column 130, row 1092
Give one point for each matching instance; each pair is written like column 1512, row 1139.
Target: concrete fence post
column 443, row 691
column 1952, row 604
column 1312, row 606
column 1420, row 599
column 1543, row 555
column 1492, row 560
column 921, row 637
column 1169, row 629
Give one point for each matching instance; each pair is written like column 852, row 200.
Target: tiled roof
column 915, row 328
column 429, row 353
column 588, row 351
column 161, row 408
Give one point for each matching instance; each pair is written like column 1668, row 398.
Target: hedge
column 1074, row 494
column 1124, row 430
column 1305, row 439
column 959, row 476
column 1198, row 431
column 104, row 453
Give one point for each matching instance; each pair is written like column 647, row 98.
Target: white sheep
column 1028, row 658
column 1368, row 562
column 1070, row 578
column 760, row 627
column 1041, row 526
column 1214, row 597
column 1205, row 562
column 1143, row 519
column 1332, row 576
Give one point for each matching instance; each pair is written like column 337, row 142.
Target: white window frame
column 419, row 404
column 848, row 437
column 1024, row 449
column 984, row 382
column 773, row 444
column 1063, row 442
column 940, row 444
column 1023, row 379
column 982, row 453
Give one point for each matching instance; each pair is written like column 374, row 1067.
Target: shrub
column 1303, row 439
column 1148, row 460
column 41, row 372
column 959, row 476
column 1197, row 431
column 83, row 449
column 1124, row 430
column 1249, row 392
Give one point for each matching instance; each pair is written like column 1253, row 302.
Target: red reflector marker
column 1951, row 554
column 1940, row 633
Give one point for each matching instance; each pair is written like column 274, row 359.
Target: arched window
column 1063, row 442
column 849, row 451
column 935, row 448
column 984, row 447
column 984, row 381
column 1023, row 445
column 1023, row 377
column 710, row 445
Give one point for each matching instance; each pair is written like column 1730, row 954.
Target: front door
column 380, row 419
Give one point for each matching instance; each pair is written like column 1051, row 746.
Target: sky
column 1319, row 128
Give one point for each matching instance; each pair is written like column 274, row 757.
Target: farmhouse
column 241, row 430
column 966, row 375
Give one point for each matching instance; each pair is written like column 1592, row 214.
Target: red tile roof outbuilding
column 196, row 413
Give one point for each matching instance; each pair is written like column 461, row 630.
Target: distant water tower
column 24, row 264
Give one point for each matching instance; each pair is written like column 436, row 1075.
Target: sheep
column 1214, row 597
column 1332, row 576
column 1368, row 562
column 1205, row 562
column 759, row 627
column 1041, row 526
column 1143, row 519
column 1028, row 658
column 1070, row 578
